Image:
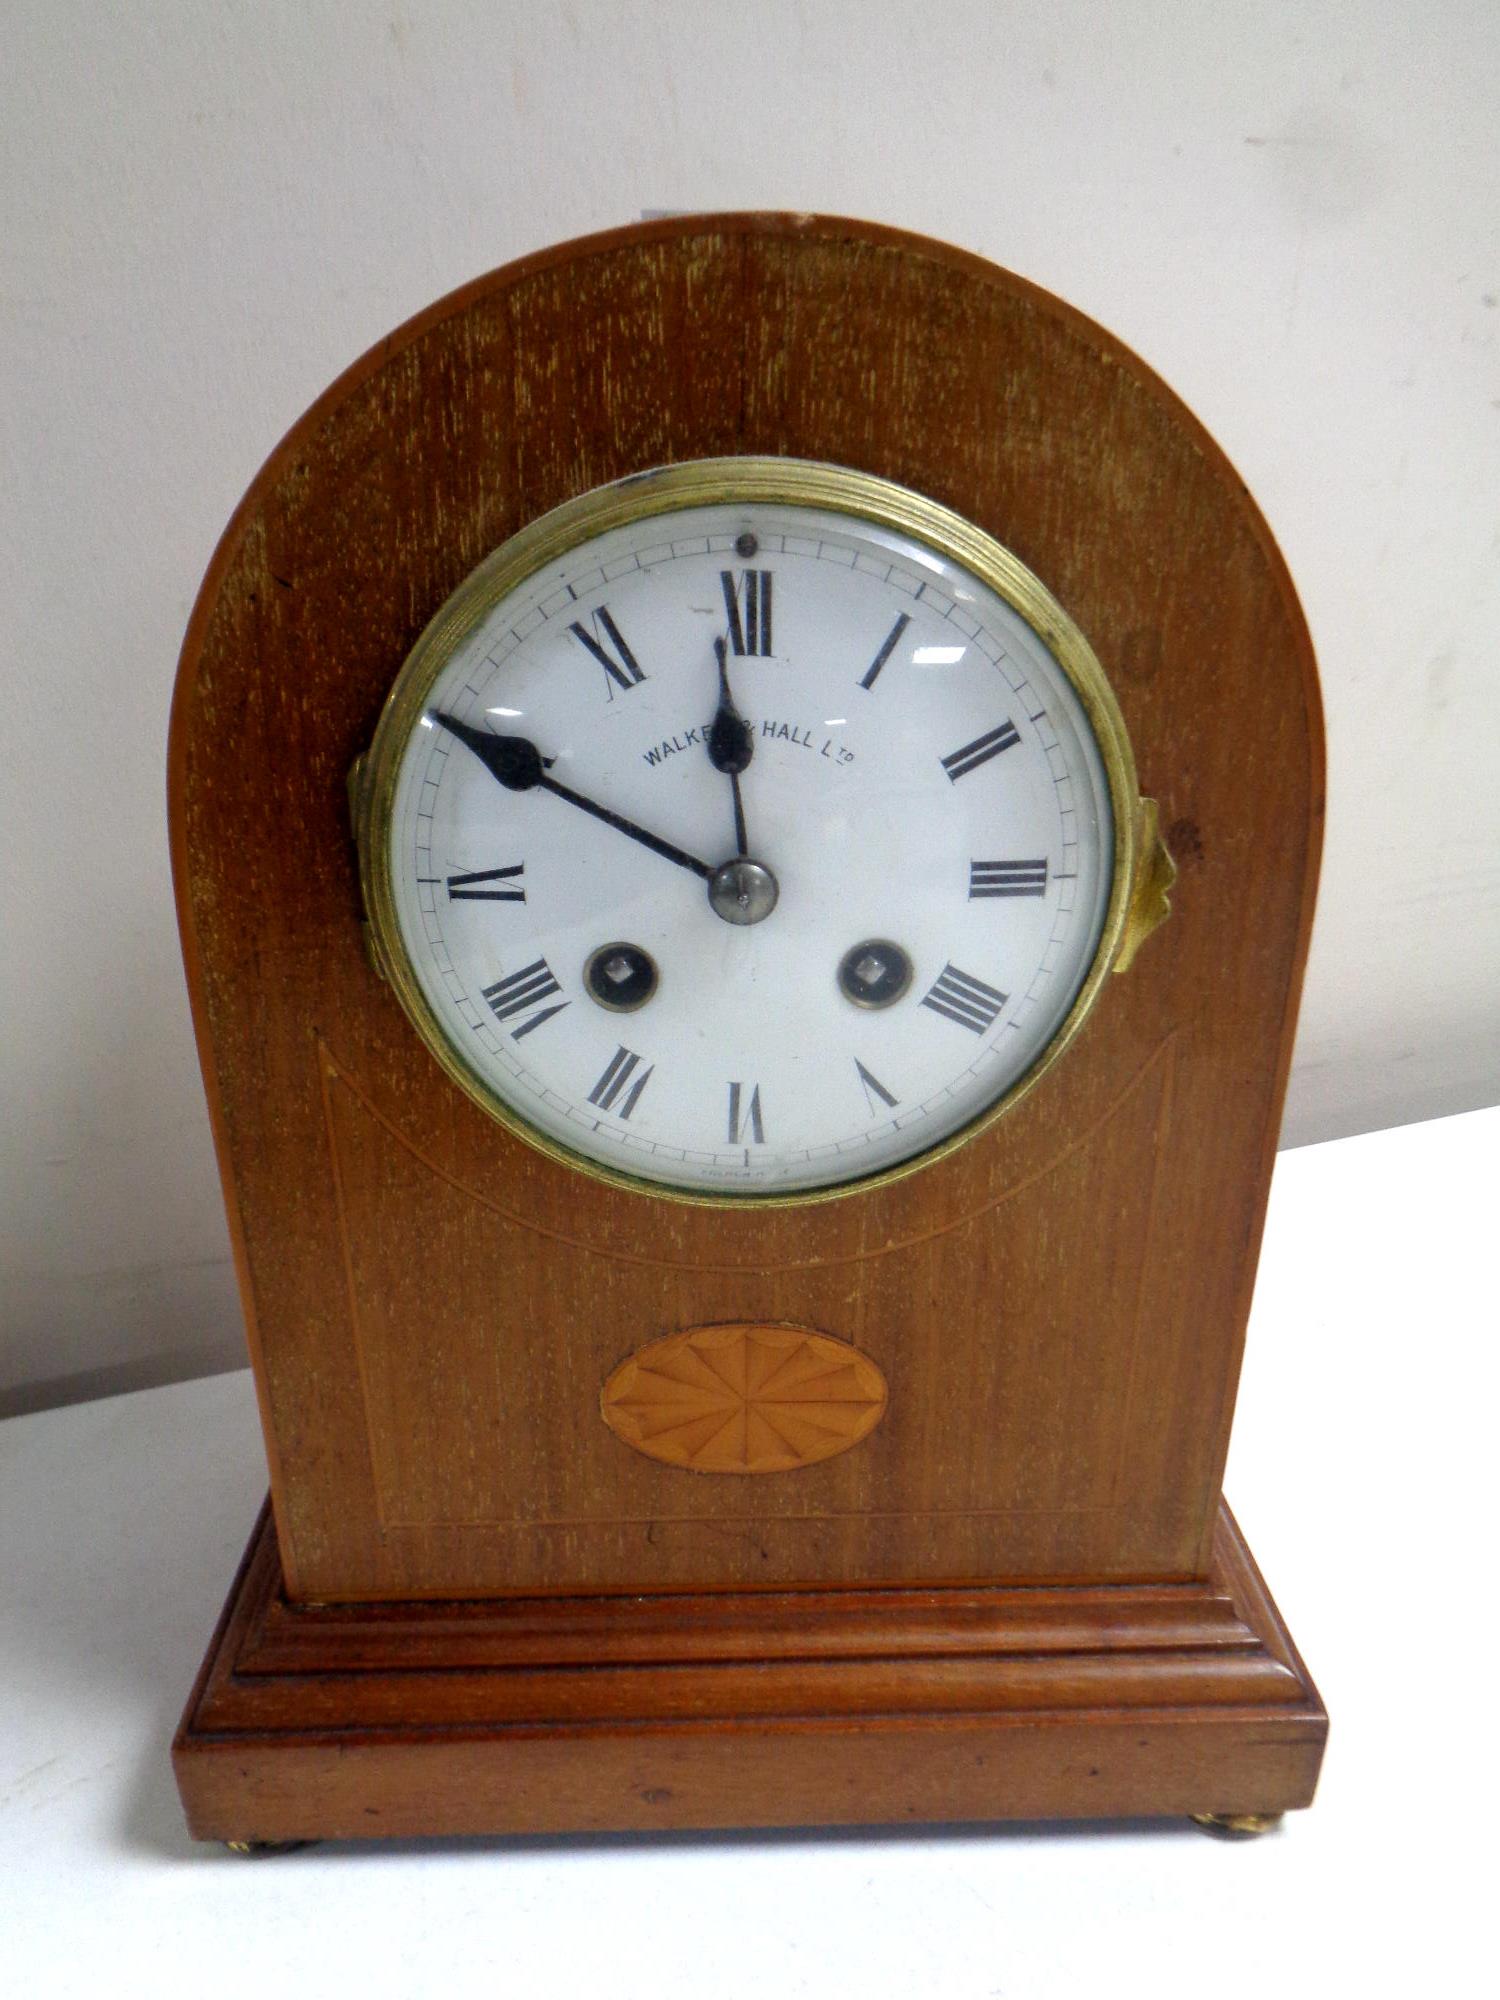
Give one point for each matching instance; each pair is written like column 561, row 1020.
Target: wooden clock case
column 471, row 1607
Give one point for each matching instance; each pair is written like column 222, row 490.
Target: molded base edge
column 797, row 1708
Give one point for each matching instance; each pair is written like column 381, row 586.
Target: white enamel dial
column 920, row 791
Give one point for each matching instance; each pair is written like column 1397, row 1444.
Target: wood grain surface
column 433, row 1306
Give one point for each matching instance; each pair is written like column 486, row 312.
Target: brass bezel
column 746, row 481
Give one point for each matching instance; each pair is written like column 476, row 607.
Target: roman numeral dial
column 487, row 885
column 619, row 1089
column 799, row 797
column 745, row 1121
column 747, row 606
column 607, row 644
column 1007, row 878
column 874, row 1090
column 959, row 996
column 959, row 763
column 888, row 646
column 524, row 994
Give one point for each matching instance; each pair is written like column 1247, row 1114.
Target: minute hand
column 518, row 765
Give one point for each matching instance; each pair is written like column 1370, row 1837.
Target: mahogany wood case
column 479, row 1608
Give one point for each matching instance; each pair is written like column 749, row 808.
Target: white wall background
column 208, row 207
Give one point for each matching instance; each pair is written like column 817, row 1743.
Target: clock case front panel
column 1058, row 1307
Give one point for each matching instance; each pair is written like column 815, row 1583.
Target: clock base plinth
column 737, row 1709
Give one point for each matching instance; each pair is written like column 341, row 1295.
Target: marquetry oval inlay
column 745, row 1397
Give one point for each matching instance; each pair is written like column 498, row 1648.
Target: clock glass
column 748, row 829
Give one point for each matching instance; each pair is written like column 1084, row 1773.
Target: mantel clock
column 745, row 799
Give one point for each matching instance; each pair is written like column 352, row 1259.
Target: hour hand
column 731, row 744
column 731, row 740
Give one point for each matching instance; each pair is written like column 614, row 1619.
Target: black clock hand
column 731, row 743
column 518, row 765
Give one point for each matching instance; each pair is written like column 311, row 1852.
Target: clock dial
column 747, row 846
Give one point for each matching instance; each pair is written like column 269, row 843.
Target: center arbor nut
column 743, row 892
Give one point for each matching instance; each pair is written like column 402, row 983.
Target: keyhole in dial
column 874, row 973
column 620, row 977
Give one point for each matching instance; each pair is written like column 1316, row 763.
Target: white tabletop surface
column 1360, row 1473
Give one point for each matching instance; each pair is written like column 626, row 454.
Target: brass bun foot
column 258, row 1850
column 1237, row 1826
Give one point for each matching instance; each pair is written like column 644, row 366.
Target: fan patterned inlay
column 744, row 1398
